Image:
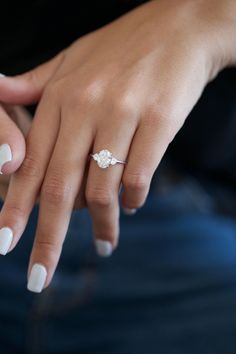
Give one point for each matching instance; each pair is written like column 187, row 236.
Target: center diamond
column 104, row 158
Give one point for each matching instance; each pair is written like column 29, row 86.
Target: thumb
column 27, row 88
column 12, row 144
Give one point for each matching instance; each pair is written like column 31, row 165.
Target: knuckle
column 99, row 197
column 80, row 99
column 90, row 94
column 48, row 244
column 123, row 104
column 16, row 210
column 48, row 249
column 55, row 191
column 136, row 182
column 30, row 167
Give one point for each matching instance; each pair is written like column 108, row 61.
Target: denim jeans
column 169, row 288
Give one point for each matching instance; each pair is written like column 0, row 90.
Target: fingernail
column 128, row 211
column 6, row 236
column 104, row 248
column 2, row 75
column 37, row 278
column 5, row 155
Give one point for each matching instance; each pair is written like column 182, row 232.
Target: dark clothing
column 170, row 287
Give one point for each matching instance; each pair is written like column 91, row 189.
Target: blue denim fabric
column 170, row 288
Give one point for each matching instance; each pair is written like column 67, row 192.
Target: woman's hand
column 128, row 88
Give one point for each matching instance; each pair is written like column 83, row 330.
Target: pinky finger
column 146, row 152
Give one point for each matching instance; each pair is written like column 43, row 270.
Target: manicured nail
column 104, row 248
column 37, row 278
column 128, row 211
column 6, row 236
column 5, row 155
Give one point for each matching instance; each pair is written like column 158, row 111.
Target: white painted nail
column 128, row 211
column 5, row 155
column 2, row 75
column 37, row 278
column 6, row 236
column 104, row 248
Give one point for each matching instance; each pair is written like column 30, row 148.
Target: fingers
column 21, row 117
column 60, row 187
column 12, row 144
column 26, row 181
column 148, row 147
column 103, row 187
column 27, row 88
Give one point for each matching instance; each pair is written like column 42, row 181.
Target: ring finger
column 102, row 190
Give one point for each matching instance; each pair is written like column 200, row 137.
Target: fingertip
column 27, row 88
column 18, row 90
column 6, row 237
column 129, row 211
column 103, row 248
column 12, row 155
column 37, row 278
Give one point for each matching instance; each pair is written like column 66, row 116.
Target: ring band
column 104, row 159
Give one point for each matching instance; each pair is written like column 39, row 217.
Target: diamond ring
column 104, row 159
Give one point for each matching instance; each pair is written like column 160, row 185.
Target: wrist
column 219, row 32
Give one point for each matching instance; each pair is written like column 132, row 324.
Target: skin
column 15, row 122
column 127, row 87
